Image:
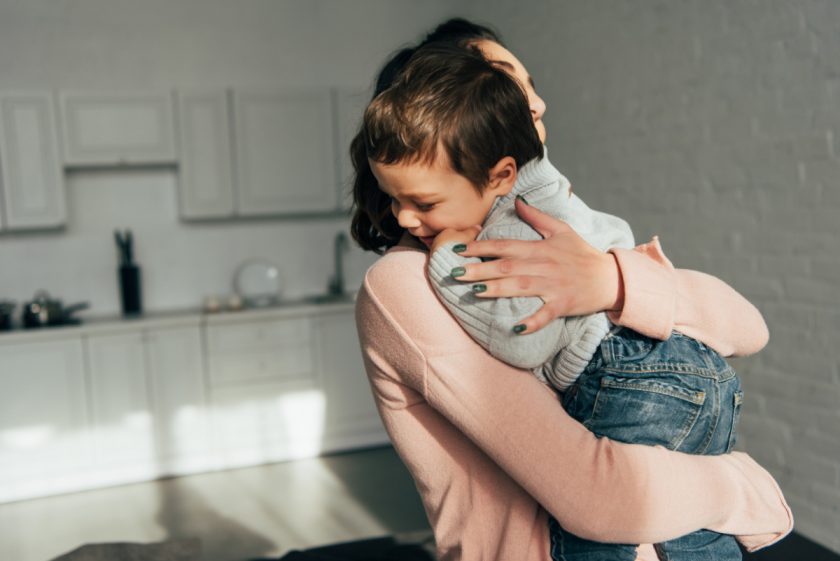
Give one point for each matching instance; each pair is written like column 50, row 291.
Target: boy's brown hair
column 448, row 102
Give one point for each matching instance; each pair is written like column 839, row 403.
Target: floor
column 238, row 514
column 255, row 512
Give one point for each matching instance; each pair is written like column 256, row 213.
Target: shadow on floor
column 185, row 515
column 379, row 481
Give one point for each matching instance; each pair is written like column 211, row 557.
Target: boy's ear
column 502, row 176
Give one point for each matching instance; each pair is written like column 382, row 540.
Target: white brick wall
column 716, row 124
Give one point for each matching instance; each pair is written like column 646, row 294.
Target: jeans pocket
column 737, row 401
column 643, row 410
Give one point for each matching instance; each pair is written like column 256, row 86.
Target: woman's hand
column 571, row 276
column 455, row 236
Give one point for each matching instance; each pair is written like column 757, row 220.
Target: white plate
column 258, row 282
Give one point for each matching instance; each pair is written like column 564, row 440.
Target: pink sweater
column 490, row 447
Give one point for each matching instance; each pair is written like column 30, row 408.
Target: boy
column 453, row 143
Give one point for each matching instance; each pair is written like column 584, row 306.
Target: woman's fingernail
column 521, row 198
column 519, row 328
column 458, row 248
column 458, row 272
column 479, row 287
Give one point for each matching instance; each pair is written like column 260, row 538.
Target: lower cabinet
column 289, row 387
column 177, row 386
column 350, row 416
column 120, row 405
column 149, row 412
column 45, row 444
column 111, row 406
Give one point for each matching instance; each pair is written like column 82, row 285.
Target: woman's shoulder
column 398, row 270
column 396, row 298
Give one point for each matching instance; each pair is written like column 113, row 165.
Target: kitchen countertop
column 97, row 325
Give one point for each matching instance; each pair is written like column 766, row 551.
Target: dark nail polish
column 458, row 272
column 519, row 328
column 458, row 248
column 479, row 287
column 521, row 198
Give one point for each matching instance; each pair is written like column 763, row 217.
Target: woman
column 484, row 469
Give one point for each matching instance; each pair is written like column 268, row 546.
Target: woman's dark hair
column 451, row 103
column 373, row 226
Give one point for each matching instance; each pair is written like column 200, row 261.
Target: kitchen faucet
column 340, row 245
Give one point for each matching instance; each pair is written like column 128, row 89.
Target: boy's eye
column 425, row 206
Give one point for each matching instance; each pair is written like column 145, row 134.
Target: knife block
column 132, row 304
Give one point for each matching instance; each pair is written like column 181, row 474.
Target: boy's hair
column 373, row 226
column 452, row 103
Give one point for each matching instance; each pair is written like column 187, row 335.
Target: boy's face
column 427, row 199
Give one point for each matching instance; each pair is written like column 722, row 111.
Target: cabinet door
column 44, row 438
column 32, row 180
column 284, row 152
column 102, row 129
column 181, row 414
column 350, row 108
column 267, row 405
column 121, row 407
column 206, row 182
column 351, row 415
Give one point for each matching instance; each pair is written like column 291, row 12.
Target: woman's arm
column 642, row 288
column 659, row 299
column 596, row 488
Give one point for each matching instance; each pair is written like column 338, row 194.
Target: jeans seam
column 699, row 397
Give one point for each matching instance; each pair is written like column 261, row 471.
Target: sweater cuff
column 572, row 360
column 650, row 291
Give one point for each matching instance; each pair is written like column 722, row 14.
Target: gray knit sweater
column 558, row 353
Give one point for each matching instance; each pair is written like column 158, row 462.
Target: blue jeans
column 678, row 394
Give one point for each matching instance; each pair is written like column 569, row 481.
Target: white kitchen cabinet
column 32, row 185
column 266, row 402
column 44, row 427
column 104, row 129
column 120, row 405
column 284, row 151
column 351, row 417
column 149, row 406
column 206, row 188
column 113, row 403
column 350, row 106
column 181, row 416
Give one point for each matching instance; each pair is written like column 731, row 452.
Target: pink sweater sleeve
column 486, row 443
column 659, row 299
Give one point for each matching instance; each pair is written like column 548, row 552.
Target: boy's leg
column 702, row 545
column 665, row 393
column 568, row 547
column 705, row 545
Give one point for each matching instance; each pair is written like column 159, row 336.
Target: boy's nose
column 407, row 219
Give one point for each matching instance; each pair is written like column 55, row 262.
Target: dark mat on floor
column 377, row 549
column 173, row 550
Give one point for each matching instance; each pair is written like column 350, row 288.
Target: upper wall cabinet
column 103, row 129
column 32, row 181
column 206, row 178
column 284, row 150
column 350, row 107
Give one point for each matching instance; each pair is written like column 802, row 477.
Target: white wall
column 712, row 123
column 163, row 44
column 715, row 124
